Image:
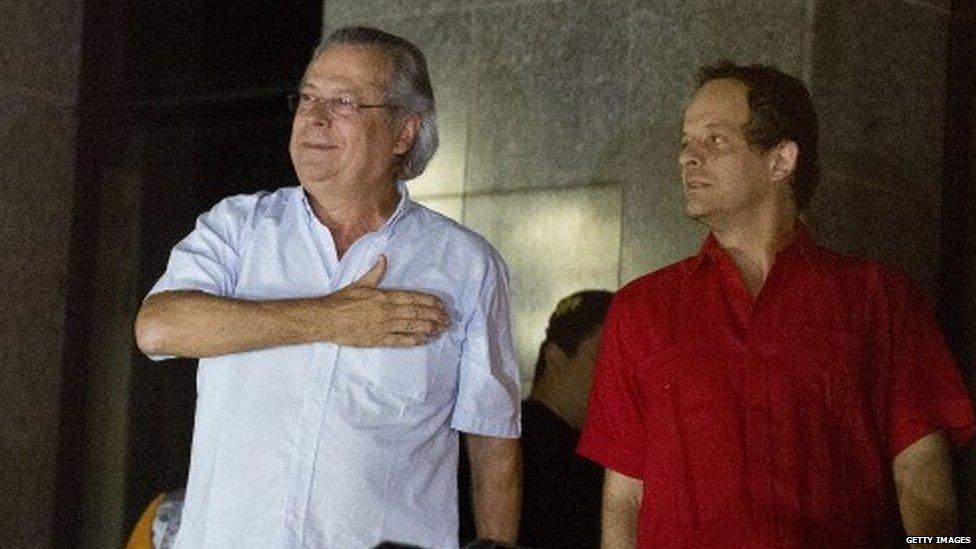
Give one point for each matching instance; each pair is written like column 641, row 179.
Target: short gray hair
column 410, row 89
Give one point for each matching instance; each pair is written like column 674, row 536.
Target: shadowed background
column 120, row 121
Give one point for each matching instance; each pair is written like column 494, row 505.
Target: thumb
column 372, row 277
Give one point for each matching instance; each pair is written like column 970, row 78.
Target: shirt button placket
column 311, row 417
column 757, row 427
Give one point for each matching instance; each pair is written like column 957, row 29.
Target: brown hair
column 780, row 109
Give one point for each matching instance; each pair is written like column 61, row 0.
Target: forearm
column 195, row 324
column 496, row 486
column 621, row 503
column 923, row 480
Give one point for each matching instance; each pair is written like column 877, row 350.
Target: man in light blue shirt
column 346, row 334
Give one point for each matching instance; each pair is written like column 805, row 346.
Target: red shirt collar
column 801, row 245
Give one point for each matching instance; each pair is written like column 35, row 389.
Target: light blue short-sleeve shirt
column 326, row 446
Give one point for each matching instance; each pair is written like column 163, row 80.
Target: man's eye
column 306, row 97
column 345, row 102
column 716, row 139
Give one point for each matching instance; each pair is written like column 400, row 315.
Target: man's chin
column 695, row 212
column 316, row 175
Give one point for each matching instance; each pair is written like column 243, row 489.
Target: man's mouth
column 318, row 146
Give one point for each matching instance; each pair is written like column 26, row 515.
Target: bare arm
column 621, row 501
column 923, row 480
column 496, row 486
column 195, row 324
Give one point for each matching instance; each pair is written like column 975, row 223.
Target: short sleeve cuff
column 172, row 284
column 622, row 462
column 501, row 427
column 959, row 432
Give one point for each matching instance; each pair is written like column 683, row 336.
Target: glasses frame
column 332, row 105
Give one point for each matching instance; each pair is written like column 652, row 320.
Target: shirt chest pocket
column 835, row 360
column 701, row 387
column 386, row 386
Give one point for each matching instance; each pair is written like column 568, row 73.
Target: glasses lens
column 344, row 107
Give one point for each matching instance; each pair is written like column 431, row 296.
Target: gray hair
column 410, row 89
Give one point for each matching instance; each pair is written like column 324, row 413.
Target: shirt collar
column 801, row 245
column 404, row 206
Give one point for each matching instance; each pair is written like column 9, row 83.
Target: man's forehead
column 349, row 65
column 719, row 102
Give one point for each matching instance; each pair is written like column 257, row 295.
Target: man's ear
column 407, row 130
column 782, row 160
column 555, row 357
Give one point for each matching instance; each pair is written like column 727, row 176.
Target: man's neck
column 559, row 403
column 349, row 213
column 753, row 244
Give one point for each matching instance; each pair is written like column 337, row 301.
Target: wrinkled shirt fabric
column 770, row 421
column 321, row 445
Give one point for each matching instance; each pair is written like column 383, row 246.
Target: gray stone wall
column 560, row 121
column 879, row 82
column 40, row 59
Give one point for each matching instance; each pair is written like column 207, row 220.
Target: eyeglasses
column 336, row 106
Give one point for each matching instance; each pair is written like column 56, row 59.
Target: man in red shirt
column 768, row 392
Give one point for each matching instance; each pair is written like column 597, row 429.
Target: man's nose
column 321, row 114
column 689, row 157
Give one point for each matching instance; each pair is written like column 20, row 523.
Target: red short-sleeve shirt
column 770, row 422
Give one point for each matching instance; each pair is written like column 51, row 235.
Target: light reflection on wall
column 441, row 186
column 555, row 242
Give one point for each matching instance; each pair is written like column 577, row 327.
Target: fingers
column 402, row 304
column 373, row 276
column 403, row 340
column 410, row 305
column 407, row 297
column 416, row 326
column 363, row 315
column 435, row 315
